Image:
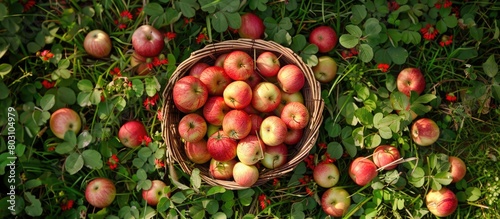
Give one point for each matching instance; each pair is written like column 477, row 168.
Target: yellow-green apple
column 238, row 65
column 236, row 124
column 215, row 109
column 441, row 202
column 362, row 171
column 268, row 64
column 148, row 41
column 326, row 69
column 215, row 79
column 326, row 175
column 273, row 131
column 383, row 155
column 256, row 122
column 295, row 115
column 221, row 147
column 157, row 191
column 275, row 156
column 288, row 98
column 410, row 79
column 100, row 192
column 250, row 150
column 197, row 69
column 211, row 129
column 335, row 201
column 245, row 175
column 266, row 97
column 424, row 132
column 97, row 44
column 63, row 120
column 251, row 26
column 189, row 94
column 132, row 133
column 139, row 64
column 192, row 127
column 457, row 168
column 254, row 79
column 222, row 170
column 219, row 61
column 293, row 136
column 237, row 95
column 197, row 152
column 290, row 78
column 324, row 37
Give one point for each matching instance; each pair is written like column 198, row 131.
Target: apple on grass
column 268, row 64
column 251, row 26
column 324, row 37
column 424, row 132
column 197, row 152
column 295, row 115
column 265, row 97
column 215, row 79
column 245, row 175
column 383, row 155
column 250, row 150
column 222, row 170
column 236, row 124
column 148, row 41
column 290, row 78
column 362, row 171
column 215, row 109
column 221, row 147
column 275, row 156
column 63, row 120
column 237, row 95
column 189, row 94
column 97, row 44
column 441, row 202
column 273, row 131
column 335, row 201
column 197, row 69
column 457, row 168
column 326, row 69
column 238, row 65
column 192, row 127
column 155, row 192
column 132, row 133
column 100, row 192
column 326, row 175
column 410, row 79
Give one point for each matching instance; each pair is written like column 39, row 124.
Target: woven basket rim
column 311, row 92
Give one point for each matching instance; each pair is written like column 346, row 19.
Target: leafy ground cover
column 44, row 67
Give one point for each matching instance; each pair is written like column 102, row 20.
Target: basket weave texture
column 312, row 98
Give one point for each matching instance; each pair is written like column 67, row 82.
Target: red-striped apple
column 215, row 79
column 457, row 168
column 63, row 120
column 383, row 155
column 197, row 152
column 266, row 97
column 215, row 109
column 362, row 171
column 441, row 202
column 335, row 201
column 324, row 37
column 425, row 132
column 410, row 79
column 221, row 147
column 197, row 69
column 295, row 115
column 245, row 175
column 148, row 41
column 100, row 192
column 192, row 127
column 237, row 95
column 155, row 192
column 189, row 94
column 251, row 26
column 250, row 150
column 222, row 170
column 97, row 44
column 268, row 64
column 273, row 131
column 275, row 156
column 290, row 78
column 132, row 133
column 326, row 175
column 238, row 65
column 236, row 124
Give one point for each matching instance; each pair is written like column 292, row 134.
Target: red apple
column 326, row 175
column 100, row 192
column 197, row 69
column 457, row 168
column 441, row 202
column 97, row 44
column 266, row 97
column 222, row 170
column 324, row 37
column 256, row 122
column 197, row 152
column 293, row 136
column 290, row 78
column 335, row 201
column 268, row 64
column 139, row 63
column 245, row 175
column 410, row 79
column 383, row 155
column 362, row 171
column 251, row 26
column 155, row 192
column 295, row 115
column 148, row 41
column 238, row 65
column 132, row 133
column 254, row 79
column 273, row 131
column 424, row 132
column 326, row 69
column 250, row 150
column 215, row 79
column 192, row 127
column 237, row 95
column 221, row 147
column 189, row 94
column 288, row 98
column 275, row 156
column 237, row 124
column 219, row 61
column 63, row 120
column 214, row 110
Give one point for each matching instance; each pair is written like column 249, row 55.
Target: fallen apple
column 100, row 192
column 441, row 203
column 424, row 132
column 63, row 120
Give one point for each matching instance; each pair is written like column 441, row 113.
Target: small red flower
column 305, row 179
column 383, row 67
column 328, row 159
column 322, row 145
column 455, row 10
column 46, row 55
column 138, row 11
column 66, row 205
column 27, row 4
column 116, row 71
column 201, row 38
column 263, row 201
column 124, row 19
column 159, row 114
column 309, row 191
column 159, row 164
column 446, row 4
column 187, row 20
column 429, row 32
column 170, row 35
column 47, row 84
column 102, row 98
column 310, row 161
column 446, row 40
column 451, row 97
column 392, row 5
column 276, row 181
column 146, row 140
column 113, row 162
column 151, row 101
column 51, row 148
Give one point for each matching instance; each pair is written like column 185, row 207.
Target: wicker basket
column 172, row 116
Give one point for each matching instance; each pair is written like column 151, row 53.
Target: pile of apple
column 240, row 114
